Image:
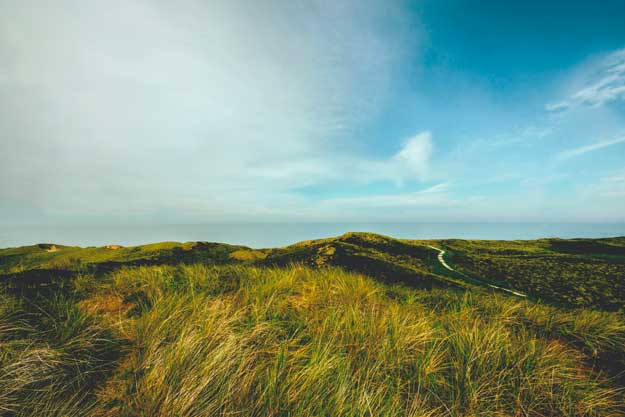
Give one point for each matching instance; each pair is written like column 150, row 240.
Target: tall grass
column 297, row 342
column 52, row 355
column 599, row 335
column 245, row 341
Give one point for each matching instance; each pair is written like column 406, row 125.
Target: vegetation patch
column 201, row 340
column 358, row 325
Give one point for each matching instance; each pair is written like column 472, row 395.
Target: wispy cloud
column 613, row 186
column 606, row 83
column 574, row 152
column 221, row 103
column 434, row 196
column 414, row 157
column 609, row 189
column 410, row 163
column 620, row 177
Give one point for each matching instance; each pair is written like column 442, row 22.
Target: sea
column 264, row 235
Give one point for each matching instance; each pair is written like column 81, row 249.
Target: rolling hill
column 573, row 272
column 355, row 325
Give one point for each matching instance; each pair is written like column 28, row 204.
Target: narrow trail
column 441, row 259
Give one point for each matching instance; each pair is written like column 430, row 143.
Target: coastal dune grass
column 203, row 340
column 52, row 356
column 302, row 342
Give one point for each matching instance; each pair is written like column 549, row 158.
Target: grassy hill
column 387, row 259
column 390, row 260
column 572, row 273
column 72, row 258
column 357, row 325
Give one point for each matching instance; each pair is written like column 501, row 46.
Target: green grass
column 203, row 340
column 52, row 356
column 571, row 273
column 576, row 272
column 387, row 259
column 72, row 258
column 357, row 325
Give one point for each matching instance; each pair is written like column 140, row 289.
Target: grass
column 201, row 340
column 358, row 325
column 572, row 273
column 72, row 258
column 52, row 356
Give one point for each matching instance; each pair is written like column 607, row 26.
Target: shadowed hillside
column 387, row 259
column 574, row 272
column 390, row 260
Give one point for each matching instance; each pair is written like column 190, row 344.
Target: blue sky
column 140, row 110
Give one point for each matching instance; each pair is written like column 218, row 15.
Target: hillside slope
column 573, row 272
column 388, row 259
column 569, row 272
column 206, row 341
column 355, row 325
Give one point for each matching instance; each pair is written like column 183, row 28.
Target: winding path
column 441, row 252
column 441, row 259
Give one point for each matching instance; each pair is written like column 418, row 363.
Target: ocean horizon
column 263, row 235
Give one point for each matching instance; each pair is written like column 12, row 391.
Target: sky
column 305, row 111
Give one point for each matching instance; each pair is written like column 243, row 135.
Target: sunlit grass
column 301, row 342
column 241, row 340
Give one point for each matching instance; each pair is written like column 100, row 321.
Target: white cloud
column 620, row 177
column 558, row 106
column 410, row 163
column 414, row 157
column 228, row 103
column 435, row 196
column 571, row 153
column 602, row 84
column 612, row 186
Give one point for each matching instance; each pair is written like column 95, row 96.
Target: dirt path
column 441, row 259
